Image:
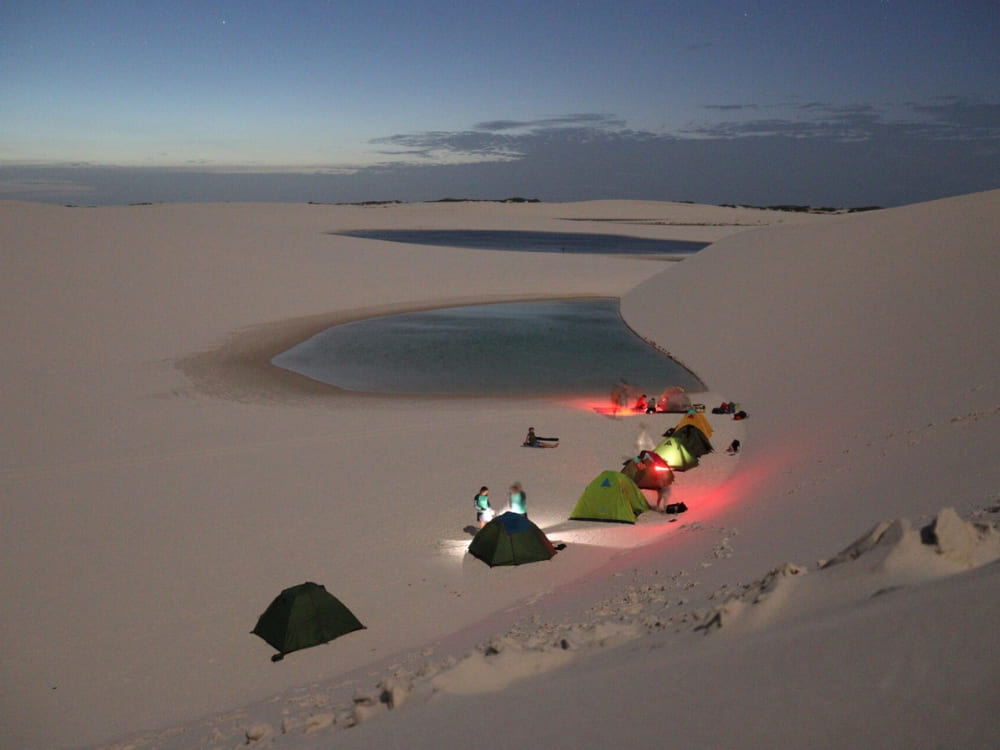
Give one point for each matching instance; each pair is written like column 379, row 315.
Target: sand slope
column 160, row 485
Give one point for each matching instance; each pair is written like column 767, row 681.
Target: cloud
column 732, row 107
column 572, row 120
column 494, row 140
column 41, row 189
column 947, row 119
column 804, row 152
column 437, row 144
column 964, row 117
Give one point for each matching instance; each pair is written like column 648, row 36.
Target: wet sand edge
column 240, row 368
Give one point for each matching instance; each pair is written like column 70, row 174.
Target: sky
column 878, row 102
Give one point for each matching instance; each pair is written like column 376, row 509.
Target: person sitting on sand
column 641, row 403
column 518, row 499
column 484, row 511
column 534, row 441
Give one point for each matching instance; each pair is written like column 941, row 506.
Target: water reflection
column 561, row 347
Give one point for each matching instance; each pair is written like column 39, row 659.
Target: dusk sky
column 845, row 102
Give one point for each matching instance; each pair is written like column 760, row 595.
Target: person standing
column 484, row 511
column 518, row 499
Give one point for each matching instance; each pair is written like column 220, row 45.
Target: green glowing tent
column 612, row 496
column 683, row 446
column 676, row 454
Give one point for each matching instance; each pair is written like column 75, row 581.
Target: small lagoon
column 550, row 348
column 537, row 242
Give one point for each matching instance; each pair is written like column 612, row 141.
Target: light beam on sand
column 592, row 534
column 454, row 549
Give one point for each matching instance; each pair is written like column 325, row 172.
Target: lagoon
column 550, row 348
column 539, row 242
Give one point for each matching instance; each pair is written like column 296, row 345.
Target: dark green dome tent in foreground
column 303, row 616
column 511, row 539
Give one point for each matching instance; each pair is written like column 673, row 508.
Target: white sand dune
column 161, row 484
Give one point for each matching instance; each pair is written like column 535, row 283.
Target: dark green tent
column 303, row 616
column 511, row 539
column 695, row 440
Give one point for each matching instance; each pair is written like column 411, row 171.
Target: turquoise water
column 539, row 242
column 551, row 348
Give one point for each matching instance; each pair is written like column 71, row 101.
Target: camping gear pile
column 728, row 407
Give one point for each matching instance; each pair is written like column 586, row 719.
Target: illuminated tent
column 303, row 616
column 686, row 442
column 612, row 496
column 649, row 471
column 511, row 539
column 674, row 399
column 676, row 454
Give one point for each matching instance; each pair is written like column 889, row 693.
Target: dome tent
column 649, row 471
column 511, row 539
column 674, row 399
column 695, row 419
column 686, row 443
column 611, row 496
column 676, row 454
column 303, row 616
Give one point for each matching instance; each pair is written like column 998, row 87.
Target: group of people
column 518, row 501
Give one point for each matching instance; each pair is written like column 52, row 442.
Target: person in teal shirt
column 484, row 511
column 518, row 499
